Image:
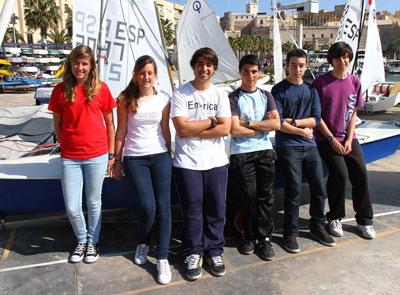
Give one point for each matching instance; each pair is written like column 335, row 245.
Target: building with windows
column 30, row 35
column 319, row 29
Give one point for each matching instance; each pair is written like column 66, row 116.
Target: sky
column 221, row 6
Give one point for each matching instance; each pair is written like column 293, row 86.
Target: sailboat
column 380, row 95
column 378, row 139
column 32, row 183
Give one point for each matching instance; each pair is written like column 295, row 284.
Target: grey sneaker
column 92, row 253
column 78, row 253
column 193, row 265
column 141, row 254
column 217, row 266
column 367, row 231
column 335, row 228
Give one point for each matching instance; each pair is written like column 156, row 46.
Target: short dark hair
column 339, row 49
column 296, row 53
column 249, row 59
column 207, row 53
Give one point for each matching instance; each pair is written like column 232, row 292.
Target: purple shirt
column 339, row 99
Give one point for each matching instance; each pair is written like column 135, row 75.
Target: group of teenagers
column 311, row 122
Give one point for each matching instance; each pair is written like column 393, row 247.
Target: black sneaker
column 217, row 265
column 246, row 247
column 265, row 250
column 193, row 265
column 78, row 253
column 322, row 236
column 92, row 253
column 290, row 243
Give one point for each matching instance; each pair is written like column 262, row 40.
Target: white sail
column 349, row 29
column 5, row 16
column 373, row 68
column 198, row 27
column 278, row 70
column 130, row 33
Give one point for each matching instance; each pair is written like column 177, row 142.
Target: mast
column 101, row 48
column 359, row 36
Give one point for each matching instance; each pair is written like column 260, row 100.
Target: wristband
column 247, row 124
column 213, row 122
column 111, row 156
column 329, row 138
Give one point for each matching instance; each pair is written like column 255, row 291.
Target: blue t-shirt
column 296, row 102
column 251, row 106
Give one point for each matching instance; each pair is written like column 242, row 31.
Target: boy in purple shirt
column 340, row 96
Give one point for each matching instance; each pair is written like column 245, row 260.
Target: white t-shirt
column 194, row 152
column 144, row 135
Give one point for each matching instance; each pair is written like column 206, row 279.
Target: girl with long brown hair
column 83, row 122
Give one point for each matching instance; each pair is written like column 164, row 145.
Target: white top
column 144, row 135
column 194, row 152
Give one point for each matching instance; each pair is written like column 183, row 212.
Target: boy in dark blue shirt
column 299, row 110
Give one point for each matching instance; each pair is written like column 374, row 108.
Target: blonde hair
column 91, row 84
column 132, row 91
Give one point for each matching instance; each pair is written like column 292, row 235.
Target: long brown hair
column 132, row 91
column 91, row 84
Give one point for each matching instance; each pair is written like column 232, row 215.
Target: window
column 322, row 35
column 313, row 35
column 331, row 36
column 304, row 35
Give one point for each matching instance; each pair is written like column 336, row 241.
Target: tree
column 168, row 31
column 394, row 48
column 325, row 46
column 68, row 24
column 286, row 47
column 309, row 46
column 59, row 37
column 41, row 14
column 9, row 36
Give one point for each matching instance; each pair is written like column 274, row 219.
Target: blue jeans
column 76, row 175
column 293, row 159
column 150, row 177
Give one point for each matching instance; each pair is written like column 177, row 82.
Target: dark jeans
column 341, row 168
column 203, row 194
column 150, row 177
column 254, row 174
column 293, row 160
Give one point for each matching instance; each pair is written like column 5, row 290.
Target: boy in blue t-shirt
column 252, row 157
column 300, row 112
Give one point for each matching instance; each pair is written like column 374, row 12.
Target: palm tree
column 41, row 14
column 286, row 47
column 9, row 36
column 168, row 31
column 68, row 24
column 59, row 37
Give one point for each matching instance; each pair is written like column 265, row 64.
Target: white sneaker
column 164, row 272
column 335, row 228
column 367, row 231
column 141, row 254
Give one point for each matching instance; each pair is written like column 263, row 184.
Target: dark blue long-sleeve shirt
column 296, row 102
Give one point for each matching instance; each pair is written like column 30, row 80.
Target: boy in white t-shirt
column 202, row 117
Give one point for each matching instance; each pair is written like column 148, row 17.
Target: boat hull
column 36, row 194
